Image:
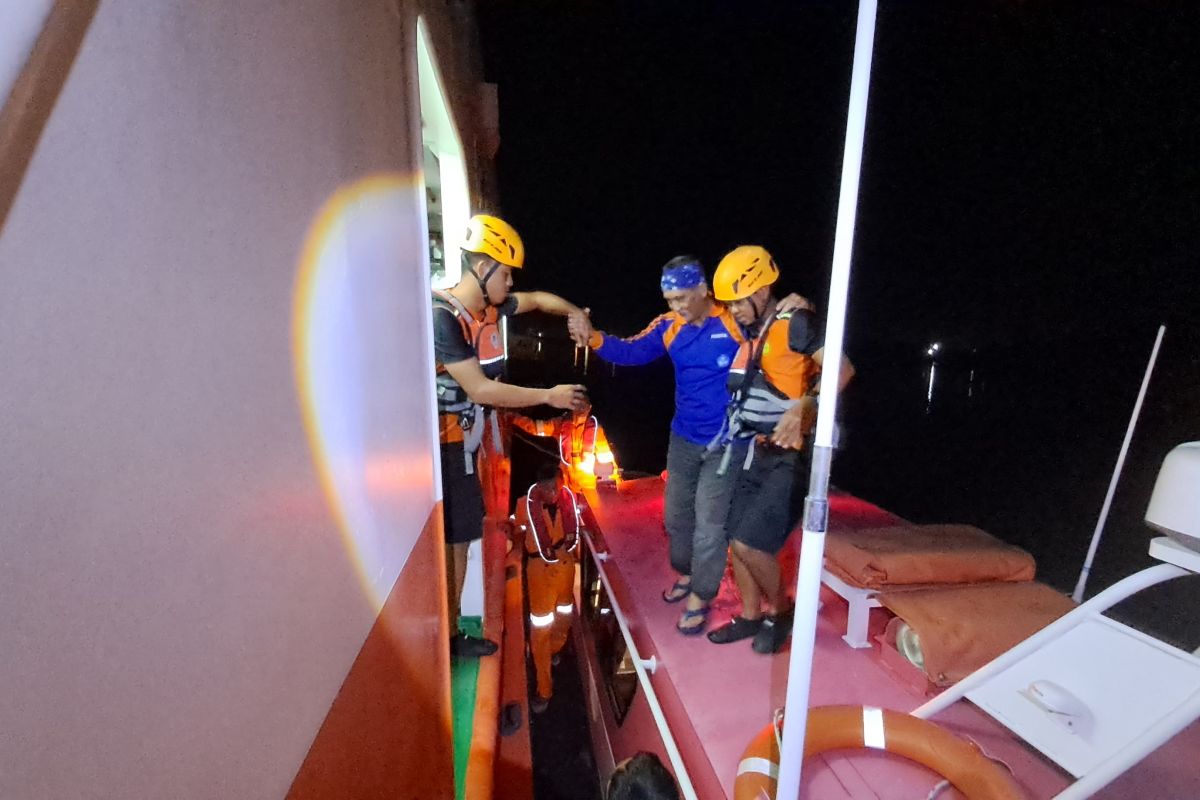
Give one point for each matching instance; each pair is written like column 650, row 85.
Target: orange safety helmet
column 744, row 271
column 494, row 237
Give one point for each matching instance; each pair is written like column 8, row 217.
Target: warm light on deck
column 586, row 452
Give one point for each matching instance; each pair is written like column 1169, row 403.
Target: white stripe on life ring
column 873, row 735
column 760, row 765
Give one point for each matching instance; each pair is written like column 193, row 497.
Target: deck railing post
column 812, row 549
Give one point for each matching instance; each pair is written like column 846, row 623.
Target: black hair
column 642, row 778
column 470, row 258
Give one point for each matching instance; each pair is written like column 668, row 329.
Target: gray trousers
column 696, row 505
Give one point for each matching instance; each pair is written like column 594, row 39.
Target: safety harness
column 756, row 405
column 452, row 400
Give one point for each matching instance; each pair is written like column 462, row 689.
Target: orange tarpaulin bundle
column 961, row 628
column 915, row 555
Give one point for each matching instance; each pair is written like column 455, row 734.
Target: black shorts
column 462, row 497
column 769, row 497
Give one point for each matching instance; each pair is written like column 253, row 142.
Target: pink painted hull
column 716, row 698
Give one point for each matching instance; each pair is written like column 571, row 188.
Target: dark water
column 1027, row 451
column 1020, row 441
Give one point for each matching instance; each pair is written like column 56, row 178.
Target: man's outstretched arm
column 469, row 375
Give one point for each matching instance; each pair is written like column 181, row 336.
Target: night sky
column 1031, row 169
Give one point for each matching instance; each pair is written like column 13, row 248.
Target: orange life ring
column 851, row 727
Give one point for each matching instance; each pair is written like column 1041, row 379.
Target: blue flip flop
column 677, row 592
column 691, row 614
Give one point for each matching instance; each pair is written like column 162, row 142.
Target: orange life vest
column 768, row 376
column 460, row 419
column 543, row 535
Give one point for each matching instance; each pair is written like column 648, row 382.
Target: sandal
column 737, row 629
column 679, row 591
column 690, row 614
column 773, row 634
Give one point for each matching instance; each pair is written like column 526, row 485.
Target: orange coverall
column 550, row 579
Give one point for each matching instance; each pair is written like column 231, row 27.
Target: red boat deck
column 728, row 693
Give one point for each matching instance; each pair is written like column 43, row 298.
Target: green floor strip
column 464, row 675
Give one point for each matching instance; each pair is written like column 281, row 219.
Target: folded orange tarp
column 961, row 628
column 914, row 555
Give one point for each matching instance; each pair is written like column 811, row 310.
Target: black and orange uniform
column 551, row 536
column 770, row 375
column 457, row 336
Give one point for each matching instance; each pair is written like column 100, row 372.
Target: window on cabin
column 444, row 171
column 433, row 211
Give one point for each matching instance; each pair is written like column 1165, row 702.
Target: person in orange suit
column 548, row 519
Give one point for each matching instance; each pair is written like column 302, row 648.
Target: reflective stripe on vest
column 545, row 534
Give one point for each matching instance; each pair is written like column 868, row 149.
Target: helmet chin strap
column 758, row 311
column 483, row 281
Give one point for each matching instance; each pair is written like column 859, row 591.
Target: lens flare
column 359, row 347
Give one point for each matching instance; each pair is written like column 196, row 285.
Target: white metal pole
column 816, row 506
column 1116, row 476
column 644, row 667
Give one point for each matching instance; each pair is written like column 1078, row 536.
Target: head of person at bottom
column 547, row 481
column 642, row 777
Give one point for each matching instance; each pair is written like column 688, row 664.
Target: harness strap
column 494, row 419
column 470, row 414
column 732, row 426
column 457, row 307
column 472, row 438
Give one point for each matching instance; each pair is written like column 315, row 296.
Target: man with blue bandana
column 702, row 338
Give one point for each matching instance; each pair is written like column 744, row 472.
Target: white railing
column 644, row 668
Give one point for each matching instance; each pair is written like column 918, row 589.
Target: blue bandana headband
column 686, row 276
